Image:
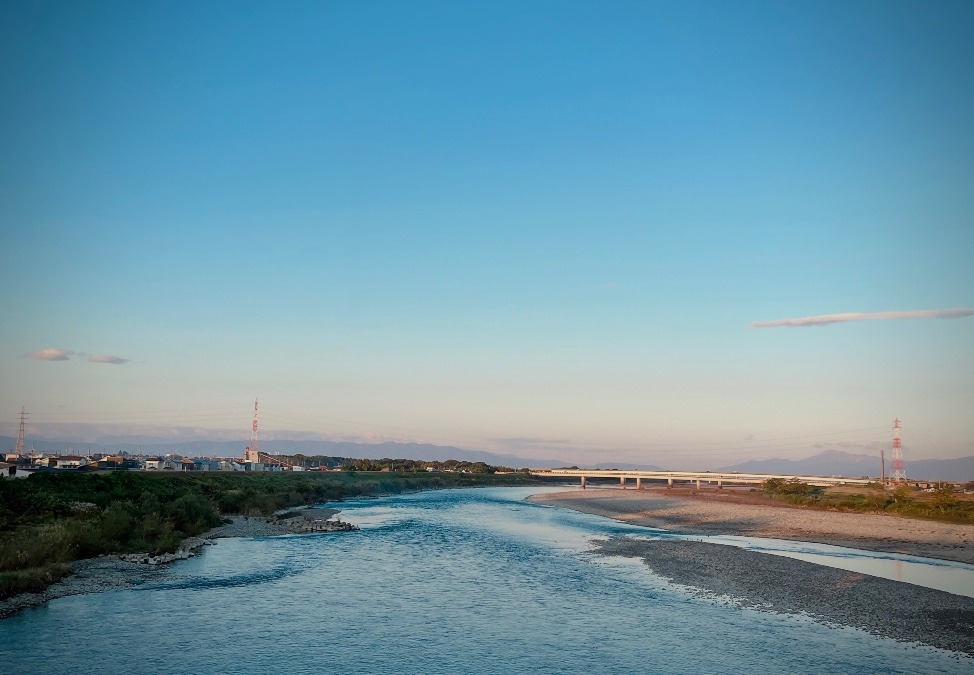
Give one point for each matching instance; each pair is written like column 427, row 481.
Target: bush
column 35, row 547
column 117, row 524
column 33, row 580
column 192, row 514
column 780, row 486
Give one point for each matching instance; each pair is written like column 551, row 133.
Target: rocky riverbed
column 892, row 609
column 111, row 572
column 772, row 583
column 295, row 521
column 94, row 575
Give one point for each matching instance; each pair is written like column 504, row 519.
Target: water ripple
column 235, row 581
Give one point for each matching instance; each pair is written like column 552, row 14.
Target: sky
column 581, row 230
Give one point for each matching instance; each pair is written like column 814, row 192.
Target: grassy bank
column 941, row 504
column 50, row 519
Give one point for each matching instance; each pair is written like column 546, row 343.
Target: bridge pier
column 669, row 482
column 698, row 483
column 639, row 483
column 720, row 484
column 622, row 482
column 583, row 482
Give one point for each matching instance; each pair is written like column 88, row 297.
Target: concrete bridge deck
column 698, row 477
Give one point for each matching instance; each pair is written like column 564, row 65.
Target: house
column 111, row 462
column 154, row 463
column 69, row 462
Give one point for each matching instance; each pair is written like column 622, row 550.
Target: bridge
column 698, row 477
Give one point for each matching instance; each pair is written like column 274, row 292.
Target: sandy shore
column 734, row 512
column 896, row 610
column 111, row 572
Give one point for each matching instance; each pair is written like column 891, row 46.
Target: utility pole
column 899, row 466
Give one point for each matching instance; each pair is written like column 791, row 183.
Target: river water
column 472, row 581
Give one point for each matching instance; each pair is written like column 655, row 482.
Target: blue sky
column 539, row 228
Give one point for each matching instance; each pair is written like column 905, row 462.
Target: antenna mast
column 253, row 450
column 19, row 450
column 899, row 467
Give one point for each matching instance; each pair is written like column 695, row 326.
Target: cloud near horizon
column 826, row 319
column 531, row 440
column 58, row 354
column 107, row 358
column 50, row 354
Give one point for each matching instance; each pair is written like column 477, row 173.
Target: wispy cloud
column 50, row 354
column 826, row 319
column 58, row 354
column 107, row 358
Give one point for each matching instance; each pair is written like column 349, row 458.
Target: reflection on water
column 952, row 577
column 943, row 575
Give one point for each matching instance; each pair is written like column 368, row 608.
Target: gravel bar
column 892, row 609
column 883, row 607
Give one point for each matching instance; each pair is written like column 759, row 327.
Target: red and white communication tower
column 899, row 467
column 252, row 454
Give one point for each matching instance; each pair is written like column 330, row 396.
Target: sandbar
column 891, row 609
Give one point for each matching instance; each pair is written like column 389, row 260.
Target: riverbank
column 738, row 513
column 116, row 572
column 883, row 607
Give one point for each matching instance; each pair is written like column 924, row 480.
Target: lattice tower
column 19, row 450
column 253, row 450
column 899, row 466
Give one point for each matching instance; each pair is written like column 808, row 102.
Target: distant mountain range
column 827, row 463
column 838, row 463
column 625, row 467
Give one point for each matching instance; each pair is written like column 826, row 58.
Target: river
column 473, row 581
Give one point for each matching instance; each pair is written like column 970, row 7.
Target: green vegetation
column 412, row 466
column 793, row 488
column 51, row 519
column 940, row 504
